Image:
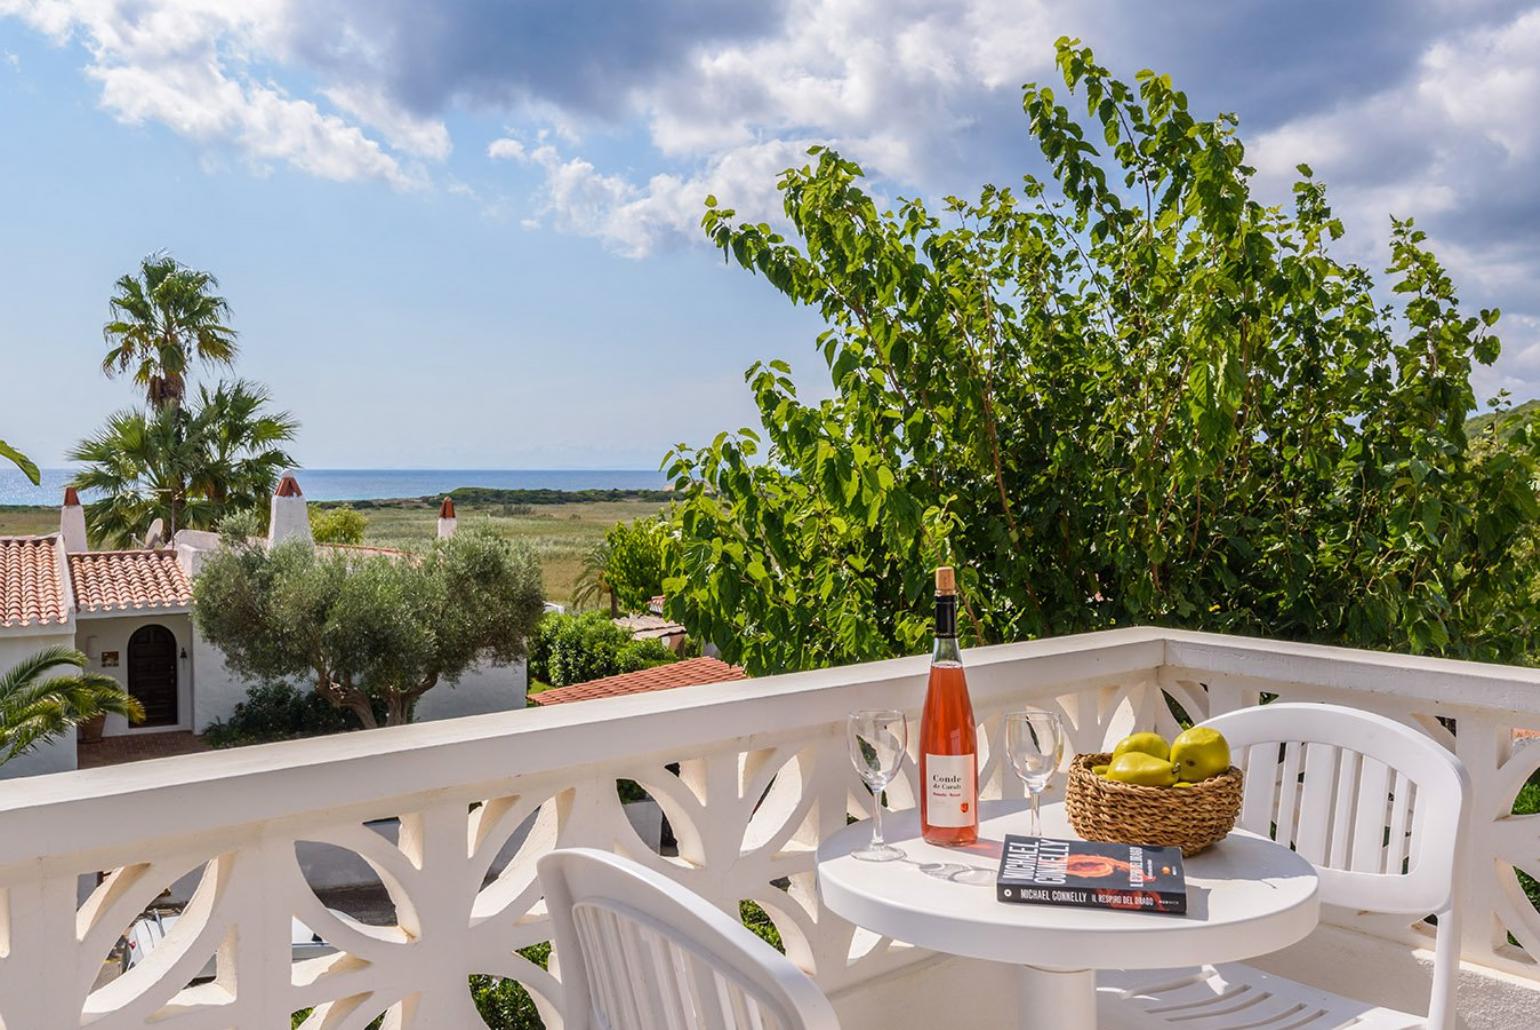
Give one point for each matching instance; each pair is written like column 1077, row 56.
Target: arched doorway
column 152, row 674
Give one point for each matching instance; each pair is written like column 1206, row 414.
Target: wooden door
column 152, row 664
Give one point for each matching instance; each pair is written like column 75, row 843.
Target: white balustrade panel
column 1478, row 710
column 763, row 775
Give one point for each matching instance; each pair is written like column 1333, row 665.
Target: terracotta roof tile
column 688, row 673
column 288, row 486
column 112, row 581
column 71, row 497
column 31, row 592
column 447, row 509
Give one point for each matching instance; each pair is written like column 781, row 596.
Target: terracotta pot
column 90, row 731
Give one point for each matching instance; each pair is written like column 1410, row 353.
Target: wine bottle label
column 950, row 791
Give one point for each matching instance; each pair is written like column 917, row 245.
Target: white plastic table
column 1246, row 896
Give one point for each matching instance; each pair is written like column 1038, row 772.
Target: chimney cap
column 71, row 497
column 288, row 486
column 447, row 509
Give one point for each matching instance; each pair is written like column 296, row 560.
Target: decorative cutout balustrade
column 763, row 774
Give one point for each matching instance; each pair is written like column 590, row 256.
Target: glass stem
column 1037, row 821
column 877, row 840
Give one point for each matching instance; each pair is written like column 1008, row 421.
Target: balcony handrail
column 1438, row 681
column 65, row 813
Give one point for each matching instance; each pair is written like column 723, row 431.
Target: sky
column 466, row 233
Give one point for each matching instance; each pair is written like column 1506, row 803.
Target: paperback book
column 1044, row 871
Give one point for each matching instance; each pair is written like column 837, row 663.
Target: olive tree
column 372, row 632
column 1131, row 393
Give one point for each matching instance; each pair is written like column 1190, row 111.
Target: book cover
column 1044, row 871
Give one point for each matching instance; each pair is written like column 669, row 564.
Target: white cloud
column 406, row 132
column 188, row 64
column 1456, row 144
column 890, row 83
column 506, row 148
column 633, row 219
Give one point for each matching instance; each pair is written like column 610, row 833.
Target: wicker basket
column 1191, row 818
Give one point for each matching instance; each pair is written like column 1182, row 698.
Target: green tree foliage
column 577, row 648
column 188, row 465
column 634, row 567
column 369, row 631
column 340, row 525
column 45, row 694
column 163, row 319
column 626, row 566
column 1132, row 394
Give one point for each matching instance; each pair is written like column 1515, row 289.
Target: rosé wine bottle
column 949, row 753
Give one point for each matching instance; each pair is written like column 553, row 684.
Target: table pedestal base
column 1055, row 998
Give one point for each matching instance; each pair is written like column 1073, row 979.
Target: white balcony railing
column 763, row 775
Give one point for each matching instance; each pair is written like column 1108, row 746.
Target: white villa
column 130, row 612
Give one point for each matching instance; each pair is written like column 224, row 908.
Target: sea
column 374, row 484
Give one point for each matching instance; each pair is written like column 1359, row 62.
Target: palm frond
column 36, row 707
column 20, row 460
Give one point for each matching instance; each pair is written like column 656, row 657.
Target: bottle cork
column 946, row 580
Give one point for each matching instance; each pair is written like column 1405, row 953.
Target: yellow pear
column 1152, row 744
column 1145, row 770
column 1199, row 753
column 1100, row 770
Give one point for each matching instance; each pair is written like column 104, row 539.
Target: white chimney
column 72, row 522
column 289, row 519
column 446, row 519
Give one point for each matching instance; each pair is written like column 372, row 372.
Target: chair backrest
column 1379, row 809
column 1376, row 806
column 639, row 952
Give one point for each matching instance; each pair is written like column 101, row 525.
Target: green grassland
column 560, row 532
column 19, row 521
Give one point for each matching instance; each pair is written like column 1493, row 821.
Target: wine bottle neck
column 946, row 629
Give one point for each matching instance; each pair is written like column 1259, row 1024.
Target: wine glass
column 1034, row 742
column 878, row 739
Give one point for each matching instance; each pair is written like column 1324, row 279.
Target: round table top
column 1246, row 896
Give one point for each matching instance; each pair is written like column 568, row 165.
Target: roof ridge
column 163, row 552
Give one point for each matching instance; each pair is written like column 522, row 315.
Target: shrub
column 577, row 648
column 279, row 711
column 341, row 525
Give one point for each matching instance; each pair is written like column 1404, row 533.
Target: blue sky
column 464, row 233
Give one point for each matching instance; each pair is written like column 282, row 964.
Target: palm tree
column 240, row 446
column 593, row 580
column 36, row 707
column 163, row 318
column 188, row 467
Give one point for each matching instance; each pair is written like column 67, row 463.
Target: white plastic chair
column 639, row 952
column 1380, row 810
